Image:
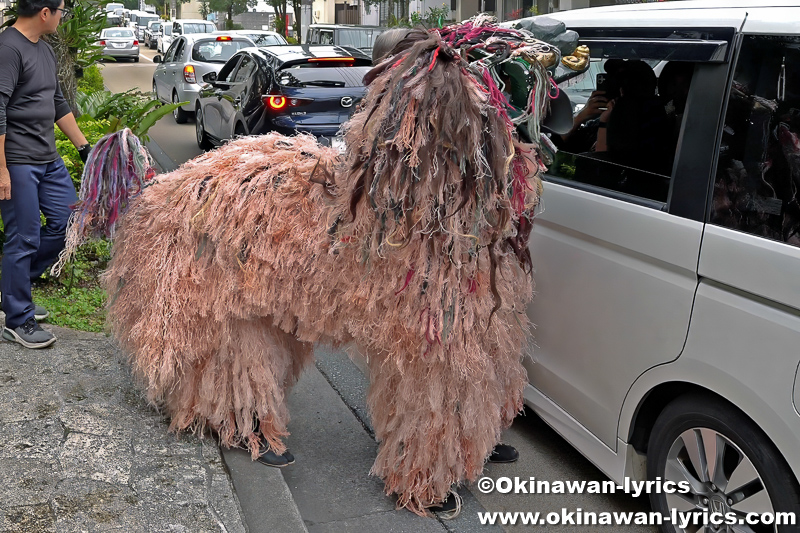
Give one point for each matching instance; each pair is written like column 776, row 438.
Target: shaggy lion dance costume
column 412, row 246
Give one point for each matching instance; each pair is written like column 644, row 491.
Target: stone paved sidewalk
column 80, row 450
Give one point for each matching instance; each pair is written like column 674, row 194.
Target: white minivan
column 172, row 29
column 667, row 258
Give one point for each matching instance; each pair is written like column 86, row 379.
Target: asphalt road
column 177, row 140
column 543, row 453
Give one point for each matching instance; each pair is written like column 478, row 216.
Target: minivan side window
column 325, row 37
column 758, row 171
column 627, row 118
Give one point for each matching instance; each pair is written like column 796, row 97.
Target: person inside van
column 634, row 128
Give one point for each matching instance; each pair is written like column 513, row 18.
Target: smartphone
column 602, row 82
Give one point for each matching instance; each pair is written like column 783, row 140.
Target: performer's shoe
column 289, row 457
column 503, row 453
column 449, row 508
column 270, row 458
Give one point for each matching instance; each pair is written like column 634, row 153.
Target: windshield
column 358, row 38
column 261, row 39
column 155, row 26
column 217, row 51
column 198, row 27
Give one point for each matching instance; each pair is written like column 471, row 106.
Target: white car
column 667, row 260
column 260, row 37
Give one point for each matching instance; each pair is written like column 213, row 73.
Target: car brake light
column 188, row 74
column 102, row 43
column 135, row 43
column 335, row 59
column 223, row 38
column 276, row 103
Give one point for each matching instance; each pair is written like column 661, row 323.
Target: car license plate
column 337, row 143
column 118, row 45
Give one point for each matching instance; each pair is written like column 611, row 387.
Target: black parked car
column 287, row 89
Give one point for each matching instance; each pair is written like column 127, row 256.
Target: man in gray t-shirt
column 33, row 177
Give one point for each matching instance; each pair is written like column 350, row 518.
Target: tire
column 200, row 133
column 697, row 425
column 135, row 59
column 181, row 116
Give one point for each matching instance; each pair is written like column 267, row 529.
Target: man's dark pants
column 30, row 247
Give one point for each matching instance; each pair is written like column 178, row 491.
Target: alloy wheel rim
column 175, row 101
column 722, row 479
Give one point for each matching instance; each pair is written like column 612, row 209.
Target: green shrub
column 92, row 80
column 131, row 109
column 292, row 40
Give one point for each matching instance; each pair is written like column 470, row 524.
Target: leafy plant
column 92, row 80
column 131, row 109
column 75, row 299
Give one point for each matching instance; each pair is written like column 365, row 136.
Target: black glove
column 83, row 151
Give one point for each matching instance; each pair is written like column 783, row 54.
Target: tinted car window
column 213, row 51
column 170, row 55
column 319, row 76
column 325, row 37
column 758, row 172
column 226, row 73
column 630, row 149
column 246, row 68
column 179, row 49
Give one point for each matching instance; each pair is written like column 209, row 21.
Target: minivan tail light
column 278, row 102
column 188, row 74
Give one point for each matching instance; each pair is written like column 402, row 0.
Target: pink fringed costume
column 412, row 246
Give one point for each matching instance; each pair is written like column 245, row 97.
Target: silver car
column 180, row 71
column 119, row 43
column 666, row 258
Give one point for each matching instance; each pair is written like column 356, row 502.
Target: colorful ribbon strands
column 116, row 171
column 410, row 247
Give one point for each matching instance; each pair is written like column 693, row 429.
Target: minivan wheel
column 181, row 116
column 200, row 132
column 729, row 464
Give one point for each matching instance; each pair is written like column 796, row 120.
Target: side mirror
column 209, row 77
column 157, row 59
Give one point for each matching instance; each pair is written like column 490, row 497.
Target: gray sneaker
column 40, row 313
column 30, row 335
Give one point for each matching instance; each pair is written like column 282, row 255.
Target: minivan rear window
column 198, row 27
column 358, row 38
column 214, row 51
column 338, row 76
